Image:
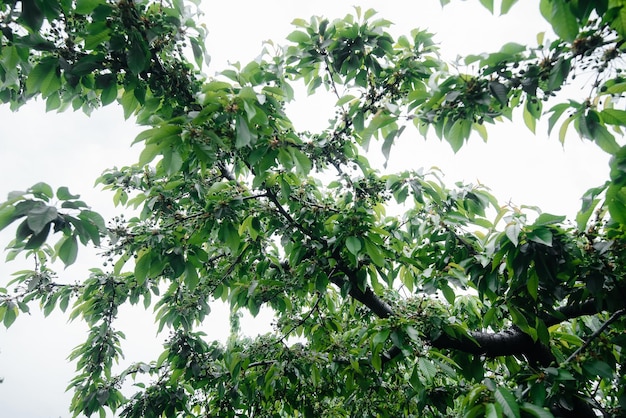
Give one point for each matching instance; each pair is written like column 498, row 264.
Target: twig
column 596, row 334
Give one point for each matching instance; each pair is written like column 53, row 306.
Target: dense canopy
column 458, row 306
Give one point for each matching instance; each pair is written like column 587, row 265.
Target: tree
column 460, row 306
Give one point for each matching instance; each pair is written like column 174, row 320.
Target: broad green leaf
column 109, row 94
column 508, row 402
column 228, row 234
column 532, row 285
column 302, row 162
column 244, row 136
column 458, row 133
column 353, row 244
column 491, row 411
column 10, row 314
column 381, row 336
column 532, row 112
column 448, row 293
column 63, row 193
column 536, row 411
column 374, row 252
column 619, row 21
column 512, row 231
column 129, row 103
column 42, row 191
column 40, row 216
column 563, row 20
column 37, row 240
column 161, row 134
column 191, row 276
column 499, row 91
column 298, row 37
column 142, row 267
column 557, row 111
column 68, row 251
column 138, row 56
column 613, row 117
column 606, row 140
column 6, row 216
column 506, row 6
column 540, row 235
column 596, row 367
column 32, row 15
column 488, row 4
column 44, row 78
column 172, row 161
column 84, row 7
column 548, row 219
column 148, row 154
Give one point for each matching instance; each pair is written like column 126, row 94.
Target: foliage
column 459, row 307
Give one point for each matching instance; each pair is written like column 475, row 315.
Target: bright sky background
column 71, row 149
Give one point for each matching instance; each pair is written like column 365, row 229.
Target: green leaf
column 191, row 276
column 548, row 219
column 491, row 411
column 506, row 6
column 36, row 240
column 353, row 244
column 507, row 401
column 499, row 91
column 109, row 94
column 600, row 368
column 448, row 293
column 40, row 216
column 6, row 216
column 563, row 20
column 374, row 252
column 458, row 133
column 162, row 134
column 532, row 285
column 228, row 234
column 381, row 336
column 244, row 136
column 44, row 78
column 512, row 231
column 536, row 411
column 63, row 193
column 530, row 115
column 32, row 14
column 302, row 162
column 557, row 111
column 42, row 191
column 606, row 140
column 172, row 161
column 298, row 37
column 613, row 117
column 85, row 7
column 138, row 55
column 142, row 267
column 68, row 250
column 619, row 21
column 10, row 314
column 488, row 4
column 541, row 235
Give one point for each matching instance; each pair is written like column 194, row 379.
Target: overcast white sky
column 72, row 150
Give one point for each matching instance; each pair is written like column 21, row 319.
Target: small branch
column 596, row 334
column 303, row 320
